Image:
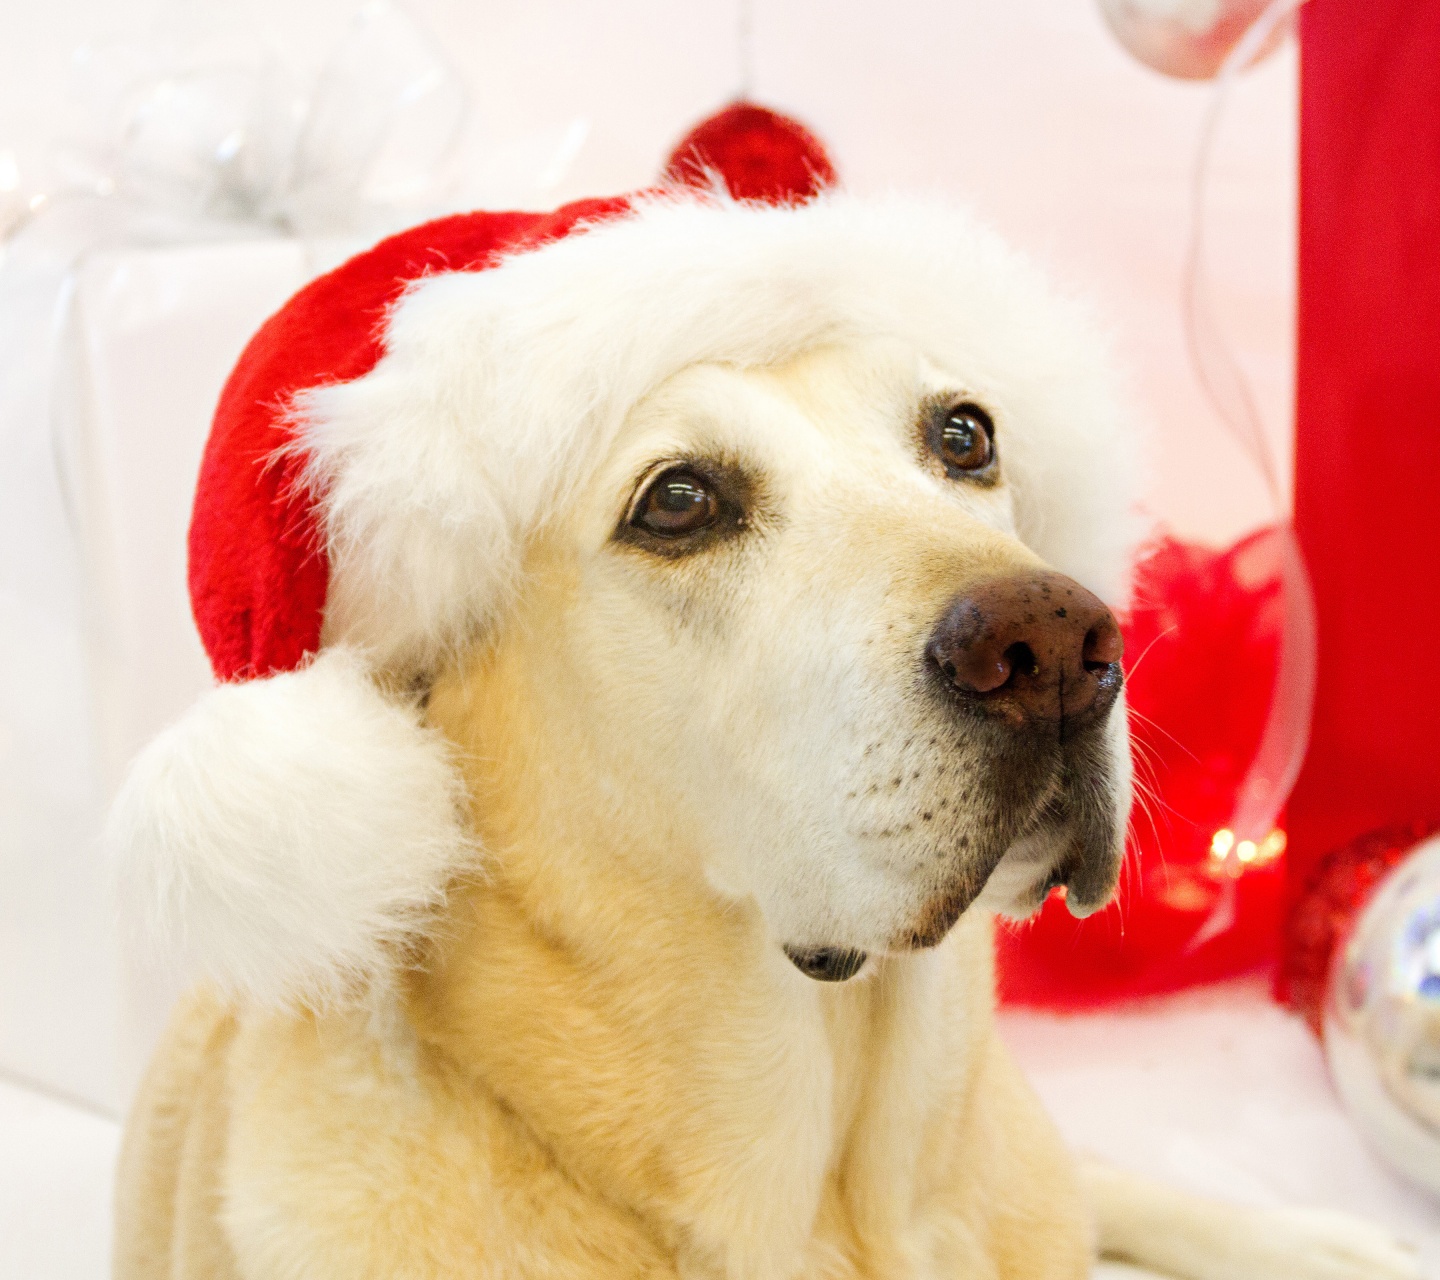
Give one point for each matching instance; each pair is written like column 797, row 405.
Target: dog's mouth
column 1064, row 835
column 1085, row 891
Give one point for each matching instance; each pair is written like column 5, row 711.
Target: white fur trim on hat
column 501, row 389
column 290, row 838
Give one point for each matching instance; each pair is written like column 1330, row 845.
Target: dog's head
column 790, row 517
column 790, row 613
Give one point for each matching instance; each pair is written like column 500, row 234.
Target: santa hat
column 392, row 436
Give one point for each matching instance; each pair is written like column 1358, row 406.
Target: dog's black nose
column 1031, row 649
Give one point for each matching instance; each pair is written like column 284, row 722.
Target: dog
column 793, row 687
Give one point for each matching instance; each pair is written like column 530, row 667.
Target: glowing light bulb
column 1272, row 846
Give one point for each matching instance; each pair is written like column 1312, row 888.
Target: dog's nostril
column 1104, row 645
column 1022, row 660
column 949, row 670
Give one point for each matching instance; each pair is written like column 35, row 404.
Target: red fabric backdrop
column 1367, row 500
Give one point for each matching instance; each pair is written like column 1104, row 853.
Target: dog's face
column 796, row 611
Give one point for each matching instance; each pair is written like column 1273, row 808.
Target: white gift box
column 98, row 648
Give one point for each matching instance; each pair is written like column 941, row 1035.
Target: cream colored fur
column 603, row 1064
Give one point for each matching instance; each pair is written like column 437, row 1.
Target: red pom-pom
column 760, row 155
column 1326, row 904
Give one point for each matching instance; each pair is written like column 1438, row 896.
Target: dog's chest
column 854, row 1198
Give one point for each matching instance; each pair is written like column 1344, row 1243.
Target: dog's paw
column 1193, row 1238
column 1318, row 1244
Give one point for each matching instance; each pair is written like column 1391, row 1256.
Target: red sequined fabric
column 1325, row 902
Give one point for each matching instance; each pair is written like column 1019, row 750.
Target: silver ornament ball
column 1189, row 39
column 1382, row 1017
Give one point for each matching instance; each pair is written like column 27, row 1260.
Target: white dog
column 710, row 640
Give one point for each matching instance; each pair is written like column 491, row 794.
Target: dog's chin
column 1021, row 882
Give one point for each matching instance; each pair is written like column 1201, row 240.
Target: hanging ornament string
column 1277, row 762
column 1219, row 374
column 745, row 49
column 1221, row 709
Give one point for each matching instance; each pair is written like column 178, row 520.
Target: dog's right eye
column 677, row 503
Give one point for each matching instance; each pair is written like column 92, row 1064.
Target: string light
column 1247, row 853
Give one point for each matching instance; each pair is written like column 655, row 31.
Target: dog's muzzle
column 1033, row 663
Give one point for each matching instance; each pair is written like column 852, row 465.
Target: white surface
column 56, row 1170
column 95, row 661
column 1221, row 1093
column 1218, row 1092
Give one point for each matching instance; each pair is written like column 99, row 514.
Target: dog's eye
column 677, row 503
column 964, row 439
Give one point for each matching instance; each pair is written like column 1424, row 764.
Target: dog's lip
column 1069, row 866
column 1078, row 909
column 1072, row 877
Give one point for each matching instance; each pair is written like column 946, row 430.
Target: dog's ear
column 291, row 838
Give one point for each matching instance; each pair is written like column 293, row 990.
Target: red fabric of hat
column 258, row 567
column 258, row 570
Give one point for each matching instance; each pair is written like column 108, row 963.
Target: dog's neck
column 660, row 1046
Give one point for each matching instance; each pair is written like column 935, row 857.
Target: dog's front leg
column 1192, row 1238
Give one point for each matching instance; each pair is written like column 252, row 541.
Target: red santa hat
column 259, row 568
column 381, row 452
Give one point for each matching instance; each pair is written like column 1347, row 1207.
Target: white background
column 1026, row 109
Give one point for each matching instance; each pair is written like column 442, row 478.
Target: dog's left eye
column 677, row 503
column 963, row 438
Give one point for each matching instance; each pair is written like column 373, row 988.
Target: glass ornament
column 1188, row 39
column 1382, row 1017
